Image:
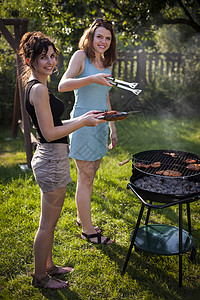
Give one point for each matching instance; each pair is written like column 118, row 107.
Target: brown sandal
column 43, row 283
column 55, row 270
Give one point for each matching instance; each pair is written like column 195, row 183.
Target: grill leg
column 189, row 218
column 148, row 214
column 133, row 238
column 180, row 245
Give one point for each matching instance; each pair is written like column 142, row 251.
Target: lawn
column 97, row 268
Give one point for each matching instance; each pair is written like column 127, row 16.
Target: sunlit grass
column 115, row 209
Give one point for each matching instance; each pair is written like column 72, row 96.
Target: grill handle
column 124, row 162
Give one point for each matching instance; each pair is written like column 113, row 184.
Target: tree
column 65, row 20
column 134, row 22
column 139, row 16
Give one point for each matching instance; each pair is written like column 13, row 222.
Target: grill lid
column 167, row 163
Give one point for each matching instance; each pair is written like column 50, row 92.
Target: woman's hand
column 113, row 138
column 91, row 118
column 101, row 78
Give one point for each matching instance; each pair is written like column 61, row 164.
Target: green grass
column 97, row 273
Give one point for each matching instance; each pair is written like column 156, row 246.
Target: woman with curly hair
column 50, row 162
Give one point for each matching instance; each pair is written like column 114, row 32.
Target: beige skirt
column 50, row 165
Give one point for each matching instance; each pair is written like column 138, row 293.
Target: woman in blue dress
column 87, row 74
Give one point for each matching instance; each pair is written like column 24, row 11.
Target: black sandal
column 96, row 235
column 97, row 228
column 55, row 270
column 42, row 283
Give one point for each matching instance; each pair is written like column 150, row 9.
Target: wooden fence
column 144, row 67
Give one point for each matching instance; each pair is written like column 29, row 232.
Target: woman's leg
column 86, row 174
column 51, row 206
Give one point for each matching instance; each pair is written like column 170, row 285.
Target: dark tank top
column 57, row 109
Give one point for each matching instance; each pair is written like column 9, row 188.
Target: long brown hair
column 86, row 42
column 31, row 45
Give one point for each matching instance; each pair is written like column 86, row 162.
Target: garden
column 97, row 269
column 166, row 33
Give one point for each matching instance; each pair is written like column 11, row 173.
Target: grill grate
column 169, row 159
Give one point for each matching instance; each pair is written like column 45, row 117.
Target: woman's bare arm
column 68, row 81
column 39, row 98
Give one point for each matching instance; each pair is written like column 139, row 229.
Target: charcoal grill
column 169, row 160
column 162, row 239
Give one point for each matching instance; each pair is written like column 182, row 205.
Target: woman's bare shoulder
column 79, row 55
column 39, row 88
column 78, row 62
column 39, row 91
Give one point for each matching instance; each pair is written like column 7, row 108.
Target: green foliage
column 66, row 20
column 7, row 83
column 178, row 39
column 134, row 21
column 176, row 94
column 97, row 273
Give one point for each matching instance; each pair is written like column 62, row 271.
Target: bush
column 165, row 96
column 7, row 86
column 177, row 97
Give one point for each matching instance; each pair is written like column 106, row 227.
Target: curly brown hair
column 31, row 45
column 86, row 42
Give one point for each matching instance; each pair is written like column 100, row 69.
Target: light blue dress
column 90, row 143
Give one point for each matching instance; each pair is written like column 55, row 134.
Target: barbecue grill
column 169, row 160
column 168, row 178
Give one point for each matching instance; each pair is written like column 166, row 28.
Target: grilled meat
column 190, row 161
column 169, row 173
column 156, row 164
column 194, row 167
column 141, row 165
column 172, row 154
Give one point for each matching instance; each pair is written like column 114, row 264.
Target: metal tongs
column 130, row 86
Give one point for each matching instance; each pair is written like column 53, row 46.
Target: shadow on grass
column 60, row 294
column 151, row 277
column 165, row 283
column 8, row 174
column 11, row 145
